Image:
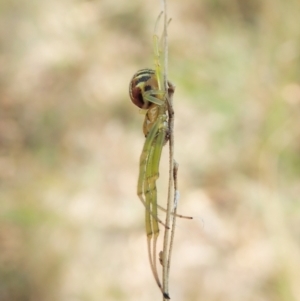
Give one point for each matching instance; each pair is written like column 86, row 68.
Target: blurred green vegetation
column 71, row 227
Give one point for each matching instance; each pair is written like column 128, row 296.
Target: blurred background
column 71, row 225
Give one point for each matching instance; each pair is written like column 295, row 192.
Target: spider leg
column 178, row 215
column 152, row 174
column 143, row 166
column 149, row 96
column 152, row 228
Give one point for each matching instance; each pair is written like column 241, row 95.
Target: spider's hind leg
column 150, row 191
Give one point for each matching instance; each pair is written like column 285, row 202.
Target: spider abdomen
column 142, row 81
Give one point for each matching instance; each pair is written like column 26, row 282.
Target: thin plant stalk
column 167, row 244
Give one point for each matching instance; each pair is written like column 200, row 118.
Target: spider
column 147, row 91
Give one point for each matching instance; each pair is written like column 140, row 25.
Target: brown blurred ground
column 71, row 226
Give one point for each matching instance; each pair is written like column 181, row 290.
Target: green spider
column 147, row 94
column 147, row 91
